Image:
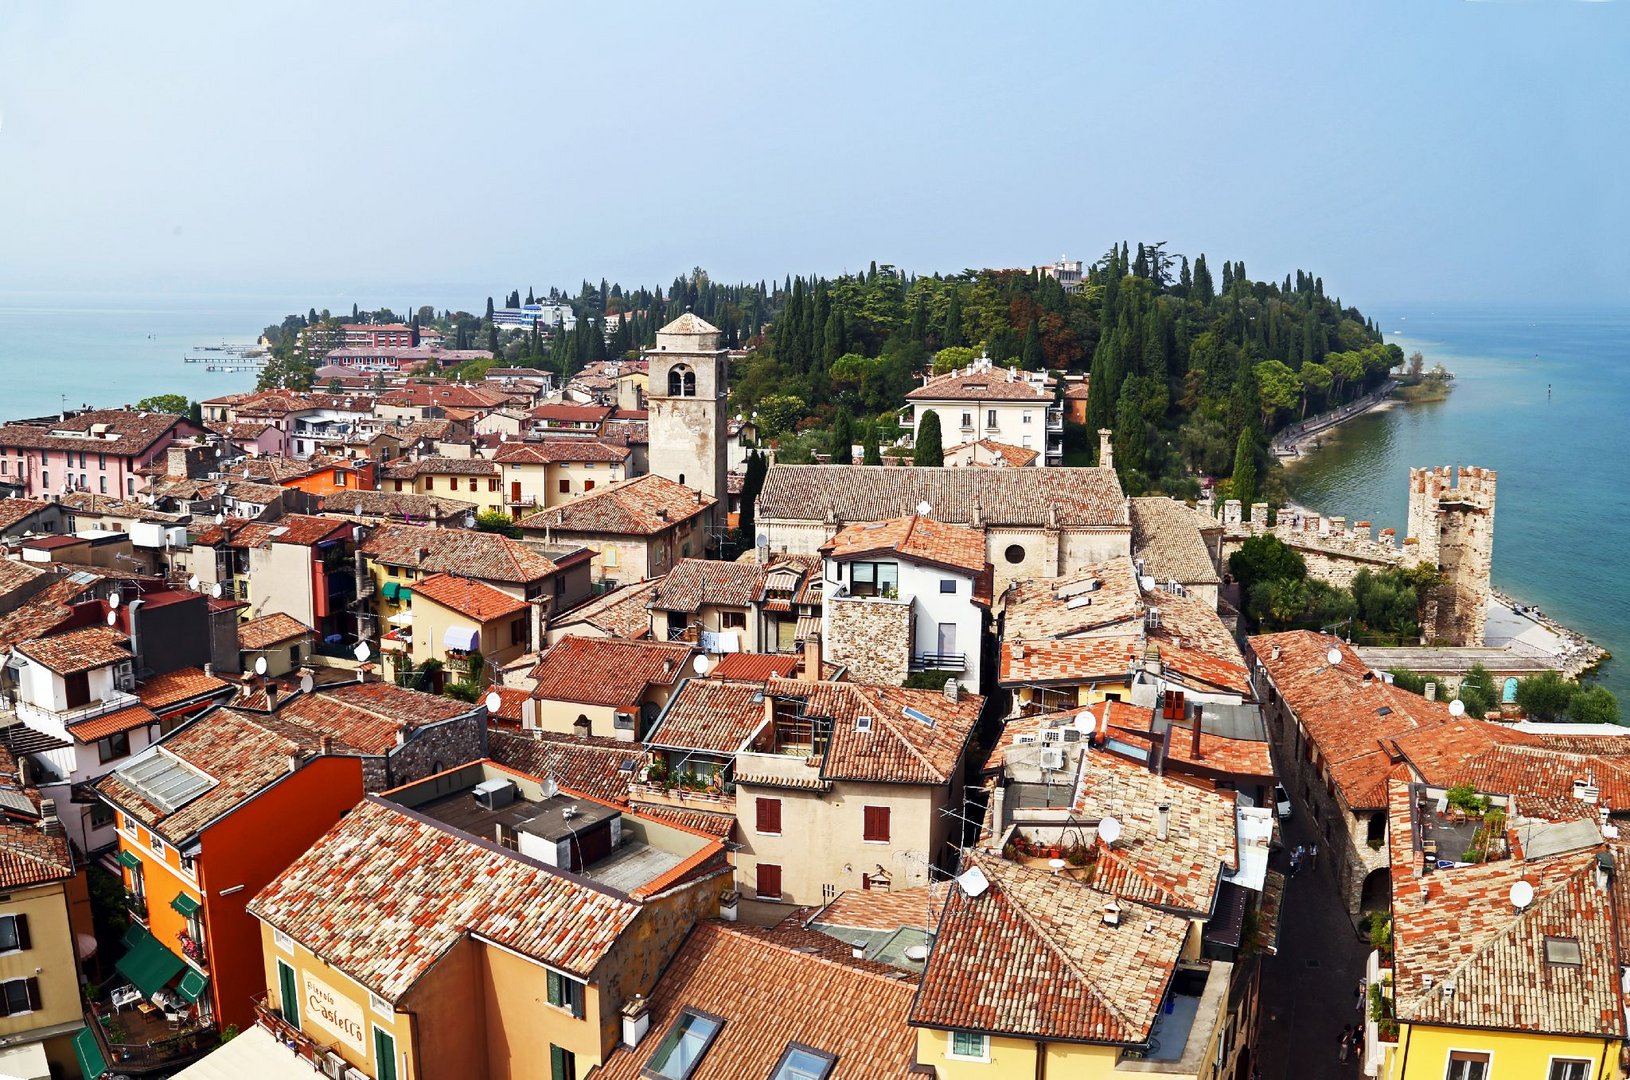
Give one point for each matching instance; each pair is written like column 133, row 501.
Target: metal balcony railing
column 930, row 661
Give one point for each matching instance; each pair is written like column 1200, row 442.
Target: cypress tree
column 1031, row 357
column 1243, row 484
column 1185, row 280
column 1140, row 265
column 929, row 450
column 952, row 334
column 489, row 309
column 1131, row 441
column 870, row 454
column 1228, row 277
column 842, row 447
column 1203, row 290
column 751, row 483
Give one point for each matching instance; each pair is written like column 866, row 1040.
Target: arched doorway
column 1377, row 891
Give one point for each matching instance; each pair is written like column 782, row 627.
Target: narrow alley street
column 1308, row 989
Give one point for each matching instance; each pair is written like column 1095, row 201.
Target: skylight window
column 1564, row 950
column 801, row 1062
column 1385, row 710
column 682, row 1048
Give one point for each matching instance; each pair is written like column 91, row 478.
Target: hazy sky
column 1426, row 149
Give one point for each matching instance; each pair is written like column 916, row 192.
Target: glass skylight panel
column 682, row 1048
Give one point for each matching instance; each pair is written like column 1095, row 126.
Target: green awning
column 129, row 858
column 391, row 590
column 89, row 1053
column 149, row 965
column 403, row 593
column 185, row 904
column 192, row 985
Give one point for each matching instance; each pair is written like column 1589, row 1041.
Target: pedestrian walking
column 1345, row 1044
column 1313, row 857
column 1359, row 992
column 1295, row 862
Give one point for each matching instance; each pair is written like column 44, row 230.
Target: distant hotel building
column 558, row 316
column 1066, row 272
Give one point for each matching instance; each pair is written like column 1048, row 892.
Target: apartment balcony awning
column 129, row 859
column 461, row 638
column 185, row 905
column 89, row 1053
column 192, row 985
column 148, row 964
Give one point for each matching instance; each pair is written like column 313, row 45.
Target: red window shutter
column 877, row 823
column 769, row 882
column 769, row 815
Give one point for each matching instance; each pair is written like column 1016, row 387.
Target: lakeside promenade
column 1288, row 443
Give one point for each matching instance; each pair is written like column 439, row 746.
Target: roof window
column 681, row 1050
column 799, row 1062
column 1564, row 951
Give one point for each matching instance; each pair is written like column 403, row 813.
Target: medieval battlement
column 1450, row 527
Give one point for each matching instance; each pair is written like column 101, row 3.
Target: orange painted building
column 336, row 475
column 206, row 820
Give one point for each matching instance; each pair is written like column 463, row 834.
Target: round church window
column 1014, row 553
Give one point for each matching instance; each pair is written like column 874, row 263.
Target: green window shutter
column 288, row 996
column 556, row 995
column 562, row 1063
column 384, row 1054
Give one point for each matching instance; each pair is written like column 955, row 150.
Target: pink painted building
column 102, row 451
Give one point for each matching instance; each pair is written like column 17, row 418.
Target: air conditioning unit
column 495, row 794
column 1052, row 757
column 356, row 1074
column 124, row 678
column 334, row 1066
column 1152, row 620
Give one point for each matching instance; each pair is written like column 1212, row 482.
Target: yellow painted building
column 40, row 1005
column 1429, row 1052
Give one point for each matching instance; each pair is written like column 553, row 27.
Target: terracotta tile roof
column 14, row 574
column 598, row 767
column 366, row 717
column 549, row 451
column 916, row 538
column 1351, row 715
column 472, row 599
column 278, row 470
column 1031, row 957
column 704, row 821
column 876, row 909
column 1077, row 390
column 420, row 395
column 14, row 511
column 174, row 687
column 1071, row 497
column 899, row 748
column 1093, row 599
column 385, row 894
column 1181, row 871
column 29, row 856
column 608, row 671
column 643, row 506
column 269, row 630
column 1167, row 536
column 127, row 433
column 758, row 982
column 1465, row 934
column 301, row 530
column 42, row 612
column 240, row 430
column 713, row 714
column 694, row 583
column 249, row 492
column 413, row 468
column 77, row 650
column 1072, row 661
column 998, row 454
column 481, row 555
column 621, row 613
column 585, row 414
column 403, row 506
column 88, row 731
column 757, row 667
column 991, row 384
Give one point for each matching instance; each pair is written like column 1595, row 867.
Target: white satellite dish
column 220, row 519
column 494, row 702
column 113, row 618
column 1522, row 894
column 260, row 665
column 361, row 652
column 549, row 788
column 1334, row 656
column 307, row 683
column 192, row 583
column 215, row 590
column 1109, row 830
column 973, row 881
column 700, row 664
column 924, row 508
column 113, row 601
column 1457, row 707
column 917, row 953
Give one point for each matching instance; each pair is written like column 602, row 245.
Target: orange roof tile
column 128, row 719
column 77, row 650
column 608, row 671
column 268, row 630
column 468, row 597
column 918, row 538
column 175, row 687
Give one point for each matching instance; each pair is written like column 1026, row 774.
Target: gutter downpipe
column 1403, row 1068
column 1041, row 1059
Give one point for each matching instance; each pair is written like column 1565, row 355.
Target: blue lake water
column 1541, row 397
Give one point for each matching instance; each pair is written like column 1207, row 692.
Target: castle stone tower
column 689, row 381
column 1451, row 520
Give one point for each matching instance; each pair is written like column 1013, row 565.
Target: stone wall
column 872, row 637
column 434, row 748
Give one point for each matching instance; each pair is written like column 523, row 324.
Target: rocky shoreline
column 1578, row 657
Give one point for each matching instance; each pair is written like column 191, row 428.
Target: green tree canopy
column 496, row 521
column 929, row 450
column 1243, row 485
column 164, row 403
column 1266, row 558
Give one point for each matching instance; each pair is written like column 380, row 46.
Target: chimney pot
column 327, row 744
column 1164, row 813
column 636, row 1020
column 858, row 950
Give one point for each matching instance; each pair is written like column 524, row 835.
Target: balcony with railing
column 57, row 721
column 1055, row 420
column 934, row 661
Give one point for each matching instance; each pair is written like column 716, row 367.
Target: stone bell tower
column 686, row 396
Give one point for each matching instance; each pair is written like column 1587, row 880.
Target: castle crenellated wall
column 1450, row 526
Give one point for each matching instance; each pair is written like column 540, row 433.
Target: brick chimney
column 636, row 1021
column 812, row 657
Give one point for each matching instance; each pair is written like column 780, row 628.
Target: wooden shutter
column 769, row 882
column 33, row 993
column 877, row 823
column 23, row 940
column 769, row 815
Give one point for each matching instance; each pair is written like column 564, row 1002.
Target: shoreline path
column 1287, row 443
